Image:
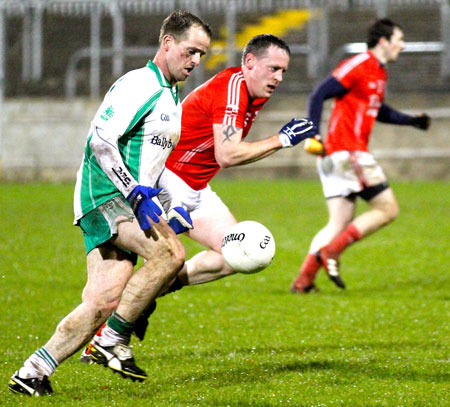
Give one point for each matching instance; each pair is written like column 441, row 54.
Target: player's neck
column 161, row 62
column 379, row 54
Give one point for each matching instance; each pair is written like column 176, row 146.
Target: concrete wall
column 43, row 139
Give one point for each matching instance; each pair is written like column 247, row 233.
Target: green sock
column 120, row 325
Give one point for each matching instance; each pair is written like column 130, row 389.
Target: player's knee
column 102, row 304
column 174, row 254
column 104, row 307
column 392, row 212
column 178, row 255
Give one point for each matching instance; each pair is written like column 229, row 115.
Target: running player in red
column 347, row 169
column 217, row 117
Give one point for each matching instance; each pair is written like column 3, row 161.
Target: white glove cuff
column 174, row 214
column 284, row 140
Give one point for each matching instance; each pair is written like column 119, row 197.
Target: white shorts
column 177, row 193
column 344, row 173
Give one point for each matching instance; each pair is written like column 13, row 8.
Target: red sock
column 345, row 239
column 308, row 272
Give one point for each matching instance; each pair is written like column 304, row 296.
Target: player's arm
column 329, row 88
column 105, row 149
column 387, row 114
column 230, row 150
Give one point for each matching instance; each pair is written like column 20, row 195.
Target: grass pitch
column 245, row 340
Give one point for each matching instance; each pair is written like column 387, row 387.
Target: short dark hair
column 259, row 44
column 383, row 27
column 179, row 21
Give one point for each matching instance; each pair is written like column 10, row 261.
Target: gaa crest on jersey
column 107, row 114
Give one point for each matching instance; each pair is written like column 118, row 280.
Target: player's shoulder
column 147, row 77
column 227, row 82
column 142, row 81
column 229, row 77
column 357, row 62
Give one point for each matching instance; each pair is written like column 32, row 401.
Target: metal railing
column 70, row 85
column 410, row 47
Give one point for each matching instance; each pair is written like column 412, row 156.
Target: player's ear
column 167, row 42
column 383, row 41
column 250, row 61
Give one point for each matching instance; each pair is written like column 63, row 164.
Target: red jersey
column 354, row 113
column 223, row 99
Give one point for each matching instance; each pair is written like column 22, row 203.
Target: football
column 248, row 247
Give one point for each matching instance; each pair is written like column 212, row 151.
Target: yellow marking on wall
column 277, row 24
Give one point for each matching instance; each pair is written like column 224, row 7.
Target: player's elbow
column 100, row 143
column 226, row 161
column 98, row 146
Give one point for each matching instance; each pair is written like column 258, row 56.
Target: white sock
column 110, row 337
column 41, row 363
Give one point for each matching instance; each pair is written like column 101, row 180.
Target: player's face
column 395, row 45
column 183, row 55
column 265, row 73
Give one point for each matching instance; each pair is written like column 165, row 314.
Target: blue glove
column 179, row 220
column 143, row 205
column 296, row 131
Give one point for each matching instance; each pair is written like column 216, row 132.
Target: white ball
column 248, row 247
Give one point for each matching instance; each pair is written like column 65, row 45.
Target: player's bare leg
column 164, row 258
column 164, row 255
column 341, row 212
column 204, row 267
column 383, row 210
column 208, row 265
column 108, row 272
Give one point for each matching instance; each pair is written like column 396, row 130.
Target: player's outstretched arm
column 388, row 114
column 230, row 150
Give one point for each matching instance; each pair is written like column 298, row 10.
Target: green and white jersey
column 133, row 132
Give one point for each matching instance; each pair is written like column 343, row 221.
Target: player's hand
column 296, row 131
column 421, row 121
column 143, row 205
column 179, row 220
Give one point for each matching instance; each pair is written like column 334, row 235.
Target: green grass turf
column 245, row 340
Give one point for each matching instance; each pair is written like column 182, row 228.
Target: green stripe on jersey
column 163, row 81
column 94, row 179
column 130, row 147
column 161, row 78
column 145, row 109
